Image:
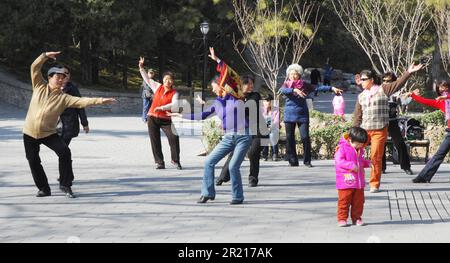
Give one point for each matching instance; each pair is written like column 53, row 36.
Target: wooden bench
column 410, row 144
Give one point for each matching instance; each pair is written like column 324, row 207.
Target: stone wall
column 18, row 93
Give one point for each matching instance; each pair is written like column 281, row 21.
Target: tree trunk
column 112, row 62
column 162, row 57
column 95, row 61
column 85, row 61
column 436, row 73
column 124, row 71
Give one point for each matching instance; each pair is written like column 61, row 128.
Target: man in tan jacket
column 47, row 104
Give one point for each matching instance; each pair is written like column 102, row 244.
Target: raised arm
column 395, row 86
column 154, row 85
column 229, row 79
column 37, row 80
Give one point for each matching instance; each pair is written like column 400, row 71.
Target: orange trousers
column 353, row 198
column 378, row 140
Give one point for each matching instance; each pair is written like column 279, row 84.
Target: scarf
column 294, row 84
column 369, row 93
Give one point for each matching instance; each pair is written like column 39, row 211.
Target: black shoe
column 68, row 191
column 219, row 182
column 204, row 199
column 178, row 165
column 160, row 166
column 420, row 180
column 309, row 165
column 384, row 171
column 293, row 164
column 42, row 193
column 252, row 183
column 275, row 158
column 408, row 171
column 266, row 159
column 236, row 202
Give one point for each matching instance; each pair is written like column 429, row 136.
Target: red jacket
column 437, row 104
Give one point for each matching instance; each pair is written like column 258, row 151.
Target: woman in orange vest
column 164, row 99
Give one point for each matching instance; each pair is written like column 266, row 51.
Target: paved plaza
column 122, row 198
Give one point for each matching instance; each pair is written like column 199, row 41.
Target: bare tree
column 441, row 19
column 387, row 30
column 272, row 33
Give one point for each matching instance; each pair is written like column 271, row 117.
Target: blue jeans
column 230, row 142
column 433, row 165
column 146, row 104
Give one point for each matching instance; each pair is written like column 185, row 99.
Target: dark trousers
column 55, row 143
column 67, row 140
column 399, row 144
column 155, row 125
column 254, row 154
column 291, row 143
column 265, row 151
column 433, row 165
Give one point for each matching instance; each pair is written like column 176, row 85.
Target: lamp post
column 204, row 28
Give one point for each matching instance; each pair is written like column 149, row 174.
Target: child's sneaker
column 374, row 190
column 359, row 222
column 342, row 223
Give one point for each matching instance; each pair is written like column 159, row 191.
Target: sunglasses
column 364, row 79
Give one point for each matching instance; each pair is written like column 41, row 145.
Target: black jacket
column 69, row 118
column 261, row 125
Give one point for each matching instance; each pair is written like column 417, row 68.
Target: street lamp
column 204, row 28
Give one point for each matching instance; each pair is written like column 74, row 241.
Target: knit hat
column 294, row 67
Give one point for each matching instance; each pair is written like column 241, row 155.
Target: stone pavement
column 122, row 198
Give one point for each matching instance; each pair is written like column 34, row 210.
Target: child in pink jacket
column 339, row 107
column 350, row 181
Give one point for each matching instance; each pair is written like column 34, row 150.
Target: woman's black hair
column 358, row 134
column 247, row 78
column 442, row 83
column 168, row 73
column 371, row 74
column 215, row 79
column 390, row 75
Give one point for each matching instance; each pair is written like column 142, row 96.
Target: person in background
column 147, row 96
column 71, row 117
column 272, row 117
column 442, row 102
column 339, row 108
column 394, row 130
column 316, row 78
